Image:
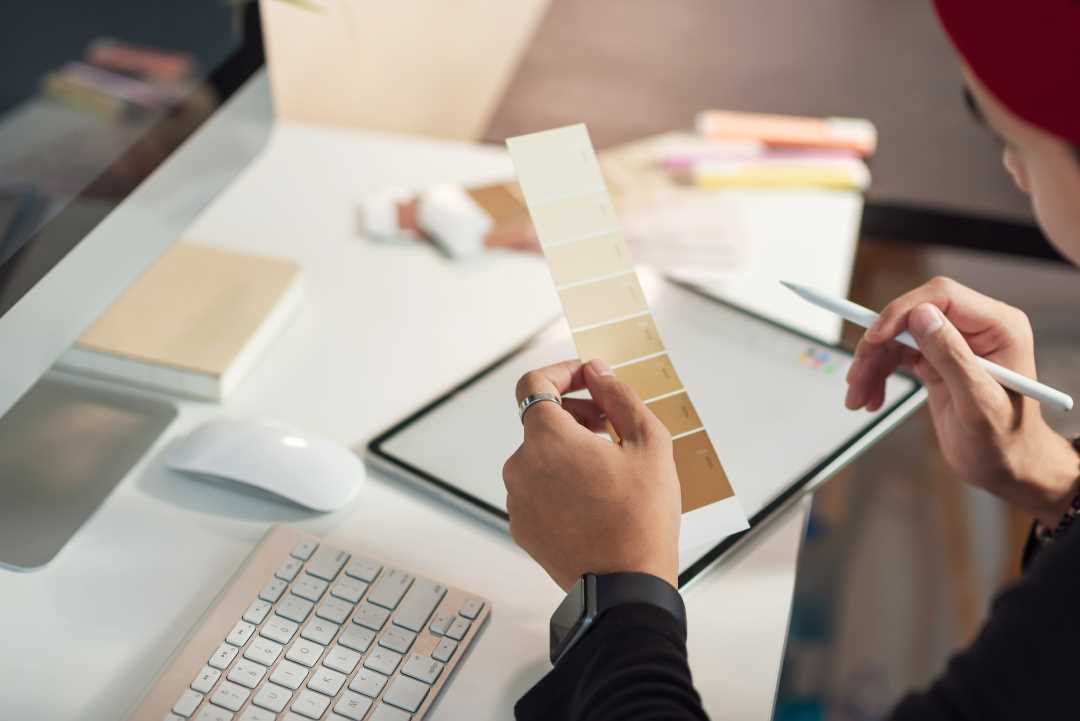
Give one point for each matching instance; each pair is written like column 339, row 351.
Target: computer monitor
column 118, row 124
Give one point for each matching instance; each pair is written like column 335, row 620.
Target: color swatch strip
column 602, row 298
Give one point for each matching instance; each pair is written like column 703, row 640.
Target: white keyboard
column 308, row 631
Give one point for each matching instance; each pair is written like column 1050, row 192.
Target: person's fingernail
column 601, row 368
column 925, row 319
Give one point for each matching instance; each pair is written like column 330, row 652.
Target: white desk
column 383, row 329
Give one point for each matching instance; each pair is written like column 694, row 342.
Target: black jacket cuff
column 637, row 623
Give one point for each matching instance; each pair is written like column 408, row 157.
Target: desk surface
column 382, row 329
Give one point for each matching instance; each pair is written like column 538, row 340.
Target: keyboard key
column 303, row 550
column 353, row 706
column 213, row 713
column 389, row 589
column 305, row 652
column 357, row 638
column 206, row 679
column 288, row 674
column 397, row 639
column 363, row 569
column 272, row 697
column 368, row 682
column 458, row 628
column 444, row 650
column 342, row 659
column 334, row 609
column 295, row 608
column 349, row 589
column 309, row 587
column 257, row 611
column 383, row 660
column 441, row 622
column 370, row 616
column 471, row 608
column 289, row 568
column 264, row 651
column 256, row 714
column 278, row 629
column 240, row 634
column 247, row 673
column 272, row 591
column 422, row 668
column 187, row 703
column 223, row 656
column 406, row 693
column 326, row 681
column 310, row 704
column 319, row 631
column 230, row 696
column 421, row 600
column 389, row 713
column 173, row 717
column 327, row 563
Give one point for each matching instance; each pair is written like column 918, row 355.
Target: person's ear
column 1015, row 165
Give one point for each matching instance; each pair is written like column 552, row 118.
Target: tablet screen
column 771, row 398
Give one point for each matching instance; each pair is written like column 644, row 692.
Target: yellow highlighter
column 843, row 174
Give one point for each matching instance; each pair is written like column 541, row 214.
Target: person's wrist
column 665, row 568
column 1052, row 481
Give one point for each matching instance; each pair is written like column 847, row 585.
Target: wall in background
column 634, row 67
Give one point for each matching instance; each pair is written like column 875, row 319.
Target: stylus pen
column 865, row 317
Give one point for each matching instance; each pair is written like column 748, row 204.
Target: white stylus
column 865, row 317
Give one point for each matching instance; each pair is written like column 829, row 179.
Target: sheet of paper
column 608, row 315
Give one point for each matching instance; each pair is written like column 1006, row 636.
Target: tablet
column 772, row 399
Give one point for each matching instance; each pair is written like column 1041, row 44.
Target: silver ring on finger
column 530, row 400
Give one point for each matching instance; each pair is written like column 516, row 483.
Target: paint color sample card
column 608, row 314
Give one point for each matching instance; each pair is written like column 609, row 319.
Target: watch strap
column 620, row 589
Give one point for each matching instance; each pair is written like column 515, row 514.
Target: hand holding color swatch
column 602, row 298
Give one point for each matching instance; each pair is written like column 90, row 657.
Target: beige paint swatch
column 651, row 377
column 701, row 476
column 571, row 219
column 588, row 258
column 677, row 413
column 602, row 298
column 601, row 301
column 619, row 342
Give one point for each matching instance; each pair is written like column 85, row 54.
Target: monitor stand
column 63, row 447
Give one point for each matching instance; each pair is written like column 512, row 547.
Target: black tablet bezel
column 375, row 446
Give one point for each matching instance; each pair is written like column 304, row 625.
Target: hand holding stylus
column 990, row 438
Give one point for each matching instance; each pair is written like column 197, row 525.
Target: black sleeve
column 1023, row 663
column 631, row 666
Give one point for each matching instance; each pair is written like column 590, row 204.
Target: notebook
column 193, row 324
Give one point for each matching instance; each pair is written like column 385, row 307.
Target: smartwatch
column 594, row 595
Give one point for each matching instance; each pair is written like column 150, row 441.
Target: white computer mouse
column 274, row 457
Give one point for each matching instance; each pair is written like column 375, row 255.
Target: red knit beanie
column 1026, row 52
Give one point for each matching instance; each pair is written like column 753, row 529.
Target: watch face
column 567, row 616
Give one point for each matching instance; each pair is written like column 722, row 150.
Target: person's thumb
column 630, row 418
column 944, row 348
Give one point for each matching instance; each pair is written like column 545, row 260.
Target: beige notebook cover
column 193, row 323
